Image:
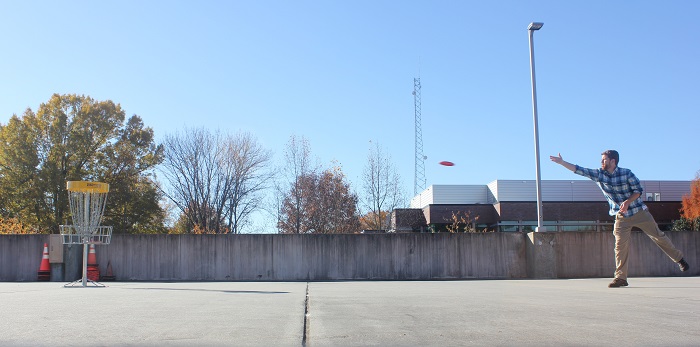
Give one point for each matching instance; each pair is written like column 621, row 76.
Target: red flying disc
column 447, row 163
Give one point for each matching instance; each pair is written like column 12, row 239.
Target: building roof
column 526, row 190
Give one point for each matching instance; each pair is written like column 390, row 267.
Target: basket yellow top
column 87, row 187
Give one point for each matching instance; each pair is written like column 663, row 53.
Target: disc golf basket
column 87, row 204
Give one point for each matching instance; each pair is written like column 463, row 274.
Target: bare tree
column 214, row 179
column 250, row 179
column 291, row 192
column 382, row 188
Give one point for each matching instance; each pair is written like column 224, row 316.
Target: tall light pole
column 531, row 29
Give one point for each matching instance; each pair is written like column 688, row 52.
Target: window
column 564, row 226
column 579, row 226
column 508, row 226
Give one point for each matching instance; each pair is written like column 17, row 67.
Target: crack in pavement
column 306, row 317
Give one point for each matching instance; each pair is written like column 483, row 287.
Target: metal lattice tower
column 419, row 171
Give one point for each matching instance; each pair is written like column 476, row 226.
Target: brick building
column 511, row 205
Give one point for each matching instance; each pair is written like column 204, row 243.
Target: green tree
column 685, row 224
column 127, row 164
column 75, row 138
column 19, row 160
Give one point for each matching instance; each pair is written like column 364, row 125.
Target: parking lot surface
column 577, row 312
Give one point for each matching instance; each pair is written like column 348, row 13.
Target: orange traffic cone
column 92, row 258
column 93, row 271
column 44, row 273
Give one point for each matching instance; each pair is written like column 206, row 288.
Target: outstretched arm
column 559, row 160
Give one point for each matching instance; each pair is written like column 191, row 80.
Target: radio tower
column 419, row 172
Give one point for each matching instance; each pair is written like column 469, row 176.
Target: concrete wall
column 403, row 256
column 591, row 254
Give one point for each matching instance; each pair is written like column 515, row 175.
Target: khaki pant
column 645, row 221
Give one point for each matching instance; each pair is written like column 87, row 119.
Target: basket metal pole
column 85, row 259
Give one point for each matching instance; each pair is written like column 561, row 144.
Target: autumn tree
column 334, row 206
column 382, row 189
column 75, row 138
column 13, row 226
column 327, row 205
column 215, row 180
column 690, row 211
column 369, row 220
column 309, row 200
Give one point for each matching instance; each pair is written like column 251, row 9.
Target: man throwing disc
column 623, row 191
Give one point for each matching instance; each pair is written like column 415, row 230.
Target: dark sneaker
column 683, row 265
column 618, row 282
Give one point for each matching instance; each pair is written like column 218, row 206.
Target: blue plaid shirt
column 617, row 187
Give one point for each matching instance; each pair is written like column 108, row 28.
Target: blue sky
column 610, row 75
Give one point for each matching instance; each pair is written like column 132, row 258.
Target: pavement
column 576, row 312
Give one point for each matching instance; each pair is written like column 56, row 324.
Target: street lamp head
column 535, row 26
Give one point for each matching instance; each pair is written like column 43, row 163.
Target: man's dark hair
column 612, row 154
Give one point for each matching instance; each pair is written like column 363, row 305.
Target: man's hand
column 623, row 206
column 558, row 159
column 626, row 204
